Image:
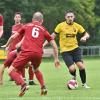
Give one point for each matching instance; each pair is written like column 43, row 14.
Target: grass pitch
column 56, row 80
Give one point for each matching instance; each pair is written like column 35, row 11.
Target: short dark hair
column 18, row 13
column 69, row 11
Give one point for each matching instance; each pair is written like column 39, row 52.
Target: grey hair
column 38, row 16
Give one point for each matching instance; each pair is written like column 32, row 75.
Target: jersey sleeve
column 47, row 36
column 1, row 20
column 81, row 29
column 57, row 29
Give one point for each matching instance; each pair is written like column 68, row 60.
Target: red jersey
column 34, row 37
column 17, row 39
column 1, row 20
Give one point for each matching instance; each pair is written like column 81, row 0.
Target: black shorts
column 71, row 57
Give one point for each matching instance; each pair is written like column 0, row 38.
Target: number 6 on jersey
column 35, row 32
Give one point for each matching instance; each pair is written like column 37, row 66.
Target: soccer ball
column 72, row 84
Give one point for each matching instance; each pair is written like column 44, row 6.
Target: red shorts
column 24, row 57
column 10, row 58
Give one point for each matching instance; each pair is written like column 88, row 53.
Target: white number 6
column 35, row 32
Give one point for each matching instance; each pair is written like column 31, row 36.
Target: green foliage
column 87, row 14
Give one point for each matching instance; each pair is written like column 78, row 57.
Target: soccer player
column 32, row 46
column 11, row 52
column 12, row 55
column 1, row 25
column 71, row 53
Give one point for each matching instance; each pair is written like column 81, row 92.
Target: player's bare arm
column 46, row 42
column 10, row 39
column 55, row 48
column 85, row 37
column 1, row 31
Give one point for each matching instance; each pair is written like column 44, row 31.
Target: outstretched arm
column 11, row 39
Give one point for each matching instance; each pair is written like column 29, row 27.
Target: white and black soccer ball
column 72, row 84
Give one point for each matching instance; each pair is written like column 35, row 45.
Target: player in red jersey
column 12, row 54
column 1, row 25
column 32, row 50
column 12, row 46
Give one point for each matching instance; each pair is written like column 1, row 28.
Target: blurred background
column 87, row 14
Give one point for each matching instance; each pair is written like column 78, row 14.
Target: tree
column 87, row 14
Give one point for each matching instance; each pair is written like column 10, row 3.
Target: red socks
column 39, row 76
column 31, row 73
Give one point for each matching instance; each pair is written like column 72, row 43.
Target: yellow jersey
column 67, row 35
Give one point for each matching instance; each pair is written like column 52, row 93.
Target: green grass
column 56, row 80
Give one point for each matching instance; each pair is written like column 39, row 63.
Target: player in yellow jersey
column 69, row 48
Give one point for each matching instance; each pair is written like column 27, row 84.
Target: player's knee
column 80, row 65
column 3, row 67
column 36, row 69
column 73, row 72
column 71, row 68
